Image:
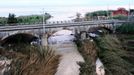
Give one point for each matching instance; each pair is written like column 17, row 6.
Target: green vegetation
column 99, row 13
column 127, row 41
column 11, row 19
column 3, row 20
column 116, row 51
column 127, row 28
column 112, row 55
column 120, row 17
column 31, row 19
column 88, row 51
column 93, row 15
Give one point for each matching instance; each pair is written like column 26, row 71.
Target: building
column 120, row 11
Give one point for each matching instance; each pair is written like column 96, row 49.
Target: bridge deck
column 40, row 26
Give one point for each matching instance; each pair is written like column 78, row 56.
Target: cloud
column 42, row 2
column 22, row 7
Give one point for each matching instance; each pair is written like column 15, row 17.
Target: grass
column 33, row 61
column 110, row 51
column 127, row 28
column 112, row 55
column 128, row 37
column 130, row 47
column 127, row 41
column 88, row 51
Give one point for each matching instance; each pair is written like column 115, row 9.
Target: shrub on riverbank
column 37, row 61
column 88, row 51
column 111, row 53
column 127, row 40
column 127, row 28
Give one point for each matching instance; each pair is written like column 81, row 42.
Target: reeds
column 89, row 53
column 34, row 61
column 111, row 52
column 112, row 55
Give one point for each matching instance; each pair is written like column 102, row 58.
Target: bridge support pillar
column 83, row 35
column 44, row 40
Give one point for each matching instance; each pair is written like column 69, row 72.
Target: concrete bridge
column 41, row 31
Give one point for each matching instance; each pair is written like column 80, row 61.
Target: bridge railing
column 58, row 24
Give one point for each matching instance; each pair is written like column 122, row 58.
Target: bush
column 88, row 51
column 37, row 61
column 111, row 53
column 127, row 28
column 120, row 17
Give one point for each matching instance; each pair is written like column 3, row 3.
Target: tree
column 3, row 20
column 11, row 19
column 95, row 14
column 47, row 16
column 33, row 19
column 78, row 17
column 120, row 17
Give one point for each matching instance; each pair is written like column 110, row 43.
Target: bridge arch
column 17, row 38
column 102, row 29
column 108, row 29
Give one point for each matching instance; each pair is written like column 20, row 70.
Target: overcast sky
column 59, row 7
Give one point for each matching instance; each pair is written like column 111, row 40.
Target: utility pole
column 43, row 23
column 108, row 11
column 128, row 10
column 44, row 35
